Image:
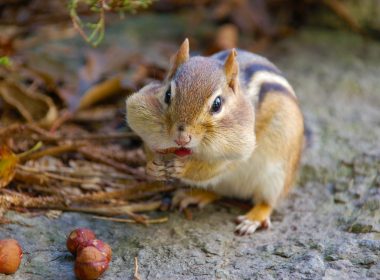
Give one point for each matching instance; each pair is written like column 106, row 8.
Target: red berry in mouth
column 182, row 152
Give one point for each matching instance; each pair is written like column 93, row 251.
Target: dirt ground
column 329, row 226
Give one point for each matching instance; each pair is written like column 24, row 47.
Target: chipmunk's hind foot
column 184, row 198
column 257, row 217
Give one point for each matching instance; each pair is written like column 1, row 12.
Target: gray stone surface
column 329, row 226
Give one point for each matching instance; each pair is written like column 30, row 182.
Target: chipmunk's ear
column 231, row 70
column 179, row 58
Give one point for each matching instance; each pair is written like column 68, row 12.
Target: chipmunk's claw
column 246, row 226
column 257, row 217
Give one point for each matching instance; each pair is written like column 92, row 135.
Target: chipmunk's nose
column 183, row 136
column 183, row 139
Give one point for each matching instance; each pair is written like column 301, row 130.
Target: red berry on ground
column 77, row 237
column 10, row 256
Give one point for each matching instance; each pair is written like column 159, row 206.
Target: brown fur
column 194, row 87
column 286, row 141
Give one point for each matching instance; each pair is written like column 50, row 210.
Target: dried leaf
column 8, row 162
column 341, row 10
column 97, row 114
column 33, row 106
column 100, row 92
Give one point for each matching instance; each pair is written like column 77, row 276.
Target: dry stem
column 136, row 275
column 88, row 153
column 122, row 220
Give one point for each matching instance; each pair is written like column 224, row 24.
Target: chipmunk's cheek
column 159, row 145
column 195, row 141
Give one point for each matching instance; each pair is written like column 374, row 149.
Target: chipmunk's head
column 200, row 109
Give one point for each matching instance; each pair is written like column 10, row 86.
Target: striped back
column 258, row 76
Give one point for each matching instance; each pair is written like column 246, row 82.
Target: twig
column 121, row 220
column 45, row 182
column 32, row 150
column 47, row 136
column 132, row 158
column 11, row 198
column 118, row 166
column 78, row 25
column 135, row 191
column 73, row 173
column 34, row 175
column 64, row 117
column 145, row 190
column 38, row 188
column 102, row 137
column 54, row 151
column 17, row 128
column 54, row 176
column 5, row 221
column 107, row 210
column 136, row 275
column 341, row 11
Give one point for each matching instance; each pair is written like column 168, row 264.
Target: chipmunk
column 232, row 126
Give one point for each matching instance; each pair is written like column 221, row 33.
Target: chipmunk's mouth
column 181, row 152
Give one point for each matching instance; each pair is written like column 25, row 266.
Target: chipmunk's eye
column 216, row 105
column 168, row 96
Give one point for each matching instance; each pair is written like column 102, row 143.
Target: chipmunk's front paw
column 156, row 169
column 176, row 168
column 258, row 217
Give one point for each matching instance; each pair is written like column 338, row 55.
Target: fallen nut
column 10, row 256
column 77, row 237
column 90, row 263
column 103, row 247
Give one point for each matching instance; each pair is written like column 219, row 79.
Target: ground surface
column 328, row 228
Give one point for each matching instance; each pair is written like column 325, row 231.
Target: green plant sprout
column 93, row 33
column 5, row 61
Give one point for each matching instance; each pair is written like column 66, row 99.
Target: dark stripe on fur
column 257, row 67
column 272, row 87
column 221, row 55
